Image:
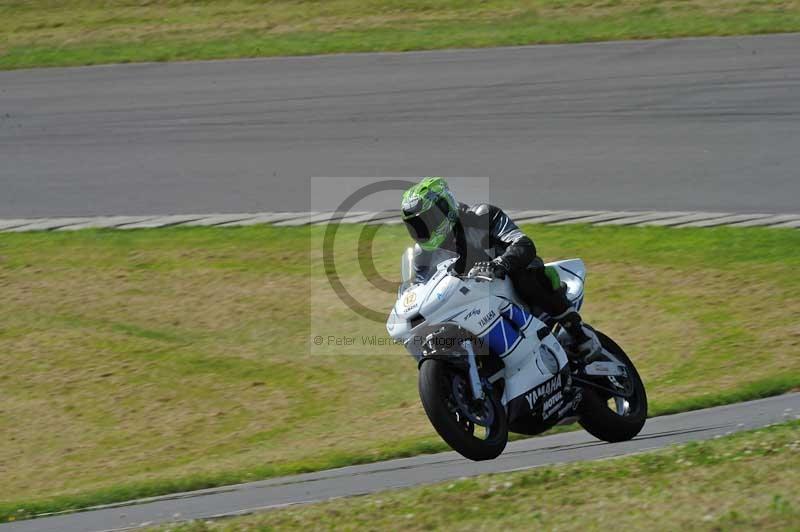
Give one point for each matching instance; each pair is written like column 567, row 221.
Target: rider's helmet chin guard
column 430, row 212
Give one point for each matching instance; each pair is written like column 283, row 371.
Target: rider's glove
column 495, row 269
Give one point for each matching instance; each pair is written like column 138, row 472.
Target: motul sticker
column 551, row 405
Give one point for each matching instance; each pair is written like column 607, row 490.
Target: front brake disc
column 479, row 412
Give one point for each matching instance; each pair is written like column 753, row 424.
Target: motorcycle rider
column 489, row 244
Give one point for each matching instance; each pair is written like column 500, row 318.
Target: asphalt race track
column 357, row 480
column 674, row 125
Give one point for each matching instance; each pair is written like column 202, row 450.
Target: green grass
column 746, row 481
column 138, row 363
column 81, row 32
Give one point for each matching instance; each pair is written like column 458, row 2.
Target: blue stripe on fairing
column 502, row 337
column 516, row 315
column 511, row 334
column 512, row 346
column 495, row 340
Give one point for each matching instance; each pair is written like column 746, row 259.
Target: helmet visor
column 423, row 225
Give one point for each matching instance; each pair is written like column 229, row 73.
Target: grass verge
column 82, row 32
column 746, row 481
column 139, row 363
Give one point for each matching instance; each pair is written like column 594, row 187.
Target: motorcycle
column 489, row 365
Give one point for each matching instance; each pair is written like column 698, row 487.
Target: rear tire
column 436, row 379
column 601, row 421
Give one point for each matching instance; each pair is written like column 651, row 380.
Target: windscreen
column 414, row 270
column 406, row 270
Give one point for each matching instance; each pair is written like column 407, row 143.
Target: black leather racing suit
column 484, row 232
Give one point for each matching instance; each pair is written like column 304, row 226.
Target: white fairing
column 491, row 311
column 572, row 273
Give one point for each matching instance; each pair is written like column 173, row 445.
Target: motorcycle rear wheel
column 628, row 416
column 439, row 383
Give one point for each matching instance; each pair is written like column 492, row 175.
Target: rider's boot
column 582, row 344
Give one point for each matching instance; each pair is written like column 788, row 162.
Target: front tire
column 629, row 415
column 440, row 389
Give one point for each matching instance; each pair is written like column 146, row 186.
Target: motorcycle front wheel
column 609, row 417
column 477, row 430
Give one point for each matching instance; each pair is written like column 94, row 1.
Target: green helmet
column 430, row 212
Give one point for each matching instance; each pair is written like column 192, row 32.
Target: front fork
column 474, row 377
